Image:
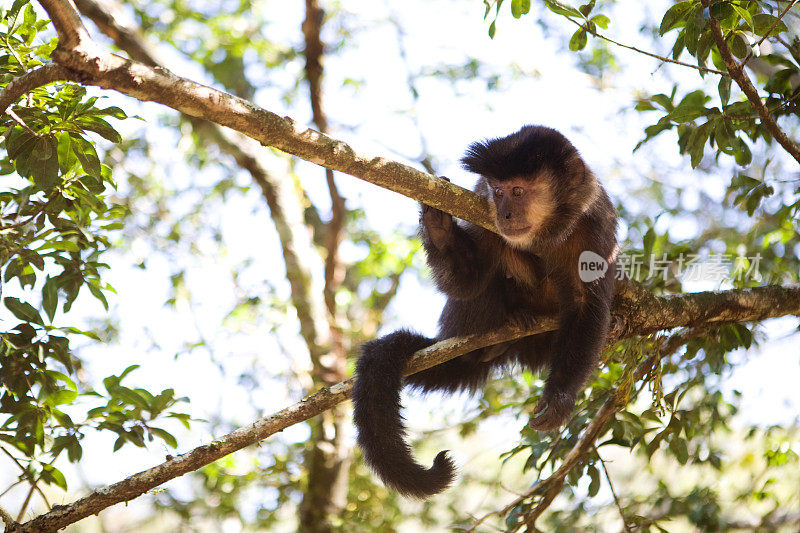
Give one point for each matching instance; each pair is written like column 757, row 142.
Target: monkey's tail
column 376, row 414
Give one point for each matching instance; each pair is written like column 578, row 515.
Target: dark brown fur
column 549, row 208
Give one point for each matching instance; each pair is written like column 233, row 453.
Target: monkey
column 555, row 221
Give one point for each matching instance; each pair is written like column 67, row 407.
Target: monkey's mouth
column 515, row 232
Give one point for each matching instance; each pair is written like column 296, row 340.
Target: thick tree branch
column 693, row 310
column 743, row 81
column 102, row 69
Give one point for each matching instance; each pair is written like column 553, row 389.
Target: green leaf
column 492, row 29
column 44, row 163
column 594, row 486
column 562, row 9
column 98, row 294
column 743, row 156
column 690, row 107
column 738, row 45
column 696, row 22
column 601, row 20
column 578, row 40
column 66, row 158
column 66, row 246
column 674, row 16
column 764, row 21
column 59, row 376
column 15, row 7
column 724, row 135
column 721, row 11
column 118, row 113
column 23, row 310
column 166, row 436
column 50, row 297
column 98, row 125
column 724, row 89
column 61, row 397
column 587, row 8
column 51, row 474
column 87, row 155
column 697, row 143
column 127, row 371
column 745, row 14
column 520, row 7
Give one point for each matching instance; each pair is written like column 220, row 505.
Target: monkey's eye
column 517, row 191
column 498, row 191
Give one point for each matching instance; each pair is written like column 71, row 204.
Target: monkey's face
column 522, row 205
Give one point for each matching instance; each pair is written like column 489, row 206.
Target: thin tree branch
column 29, row 81
column 16, row 118
column 27, row 501
column 625, row 525
column 645, row 52
column 743, row 81
column 741, row 305
column 327, row 458
column 334, row 270
column 102, row 69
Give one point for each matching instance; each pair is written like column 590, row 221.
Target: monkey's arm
column 461, row 260
column 584, row 317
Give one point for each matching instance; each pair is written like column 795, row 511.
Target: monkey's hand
column 522, row 319
column 552, row 411
column 438, row 225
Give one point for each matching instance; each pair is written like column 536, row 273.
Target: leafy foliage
column 56, row 221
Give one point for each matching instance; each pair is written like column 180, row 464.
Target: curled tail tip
column 431, row 481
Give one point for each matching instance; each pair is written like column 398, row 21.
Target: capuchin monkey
column 555, row 253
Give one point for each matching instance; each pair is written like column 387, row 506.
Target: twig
column 27, row 501
column 645, row 52
column 16, row 118
column 764, row 37
column 625, row 525
column 743, row 81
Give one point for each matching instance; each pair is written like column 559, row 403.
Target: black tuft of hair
column 525, row 153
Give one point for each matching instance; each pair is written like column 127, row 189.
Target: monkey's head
column 535, row 180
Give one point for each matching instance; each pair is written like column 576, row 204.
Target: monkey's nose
column 508, row 215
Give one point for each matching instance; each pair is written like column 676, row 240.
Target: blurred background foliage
column 146, row 295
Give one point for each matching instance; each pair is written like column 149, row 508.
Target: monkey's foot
column 493, row 352
column 552, row 411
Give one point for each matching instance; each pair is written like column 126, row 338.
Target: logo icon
column 591, row 266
